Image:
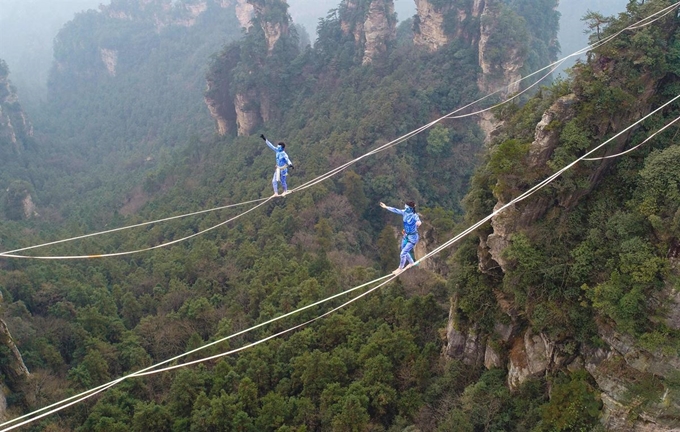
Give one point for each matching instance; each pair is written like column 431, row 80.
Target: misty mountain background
column 28, row 27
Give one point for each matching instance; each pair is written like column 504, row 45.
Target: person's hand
column 382, row 204
column 262, row 136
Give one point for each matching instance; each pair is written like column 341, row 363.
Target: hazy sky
column 27, row 28
column 571, row 35
column 308, row 12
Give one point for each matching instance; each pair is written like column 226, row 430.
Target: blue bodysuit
column 411, row 220
column 282, row 162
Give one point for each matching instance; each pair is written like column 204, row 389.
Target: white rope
column 423, row 128
column 437, row 250
column 151, row 370
column 216, row 356
column 637, row 146
column 543, row 183
column 117, row 254
column 323, row 177
column 148, row 370
column 7, row 253
column 553, row 66
column 98, row 389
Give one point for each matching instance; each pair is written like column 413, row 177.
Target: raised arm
column 392, row 209
column 271, row 146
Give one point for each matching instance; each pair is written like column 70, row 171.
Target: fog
column 571, row 35
column 28, row 27
column 308, row 12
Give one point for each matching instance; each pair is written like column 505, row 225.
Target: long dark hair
column 412, row 205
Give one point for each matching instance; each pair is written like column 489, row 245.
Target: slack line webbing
column 531, row 191
column 152, row 369
column 642, row 23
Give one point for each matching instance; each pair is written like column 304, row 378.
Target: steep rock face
column 437, row 25
column 110, row 59
column 223, row 112
column 464, row 342
column 520, row 216
column 13, row 369
column 429, row 30
column 241, row 104
column 617, row 369
column 527, row 358
column 502, row 38
column 348, row 22
column 379, row 29
column 244, row 12
column 217, row 97
column 273, row 29
column 29, row 207
column 497, row 72
column 373, row 28
column 14, row 124
column 19, row 201
column 163, row 13
column 247, row 116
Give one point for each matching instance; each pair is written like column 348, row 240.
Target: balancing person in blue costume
column 411, row 224
column 282, row 164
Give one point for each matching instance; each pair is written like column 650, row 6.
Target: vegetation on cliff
column 594, row 255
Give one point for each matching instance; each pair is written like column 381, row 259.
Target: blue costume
column 282, row 163
column 411, row 223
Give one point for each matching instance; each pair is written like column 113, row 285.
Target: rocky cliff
column 500, row 35
column 498, row 30
column 533, row 336
column 15, row 133
column 15, row 127
column 429, row 25
column 13, row 368
column 244, row 12
column 439, row 23
column 165, row 13
column 78, row 55
column 236, row 96
column 371, row 23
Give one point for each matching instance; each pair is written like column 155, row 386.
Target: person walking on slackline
column 411, row 224
column 282, row 164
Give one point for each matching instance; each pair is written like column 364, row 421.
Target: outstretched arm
column 392, row 209
column 271, row 146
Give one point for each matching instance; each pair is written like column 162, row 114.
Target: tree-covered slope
column 16, row 142
column 125, row 89
column 27, row 29
column 561, row 312
column 576, row 286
